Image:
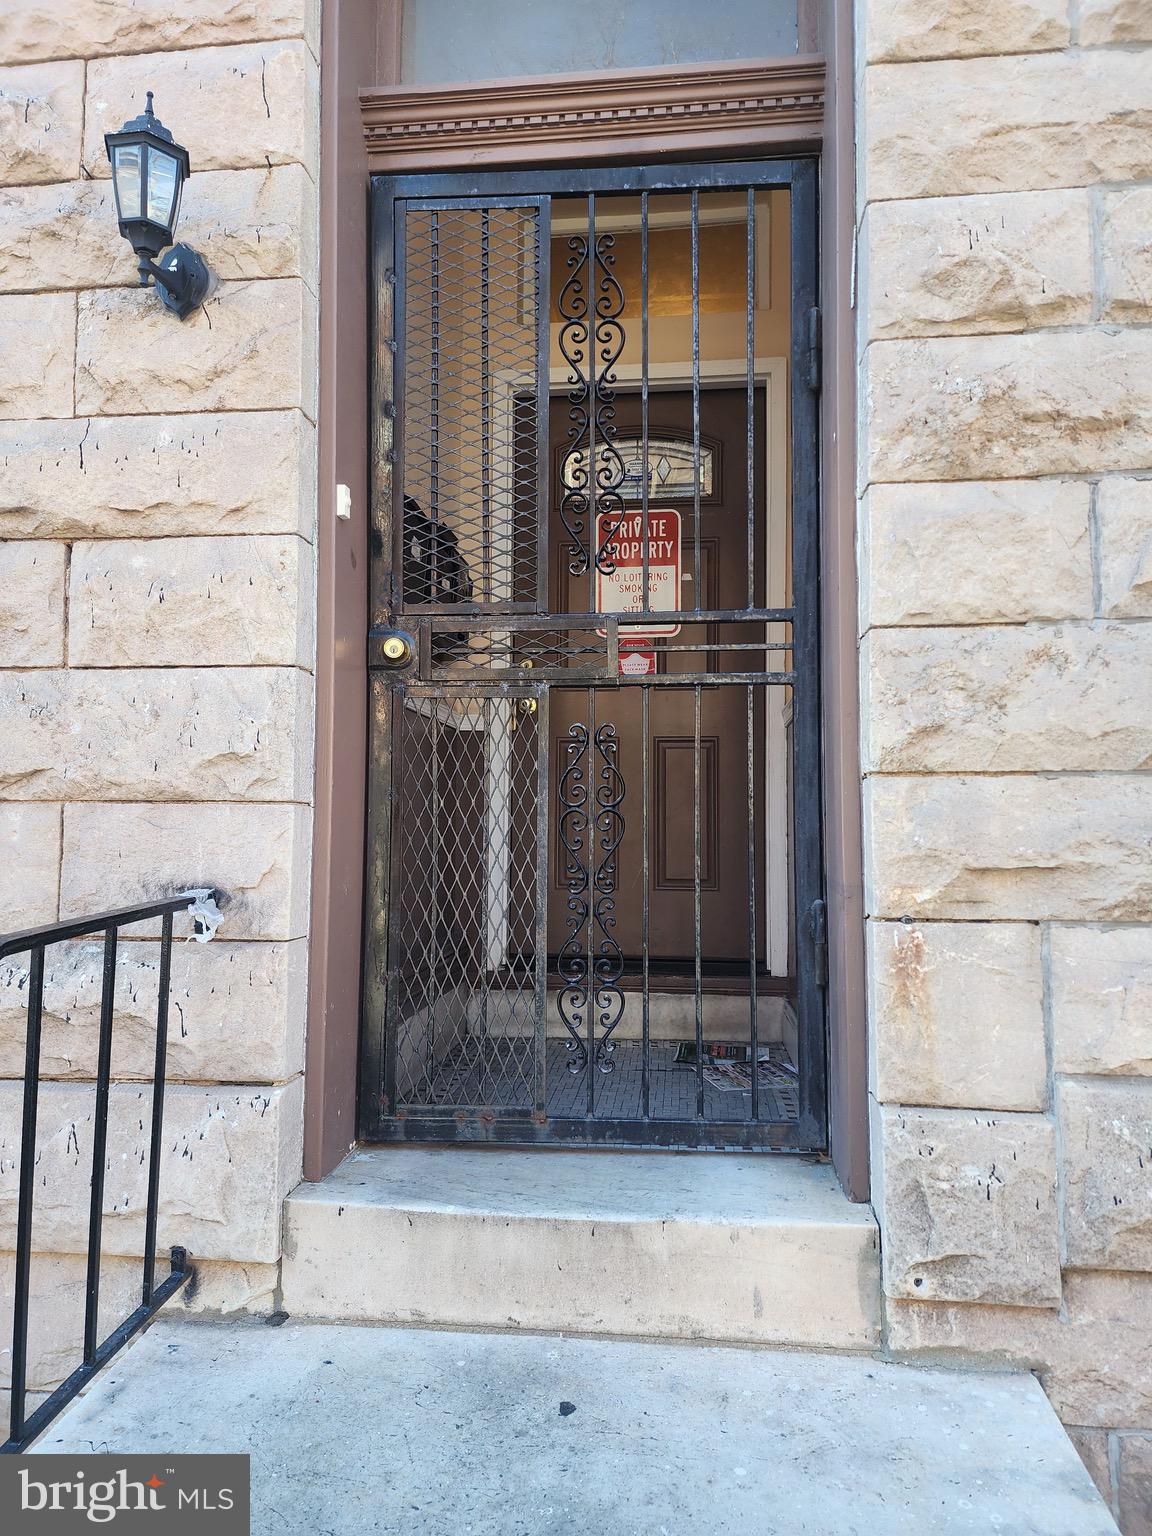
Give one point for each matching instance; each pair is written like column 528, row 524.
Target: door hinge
column 818, row 932
column 814, row 343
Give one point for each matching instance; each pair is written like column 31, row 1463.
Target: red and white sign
column 636, row 659
column 622, row 590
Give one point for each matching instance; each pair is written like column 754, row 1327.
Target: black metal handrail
column 33, row 942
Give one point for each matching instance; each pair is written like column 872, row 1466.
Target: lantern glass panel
column 163, row 187
column 126, row 176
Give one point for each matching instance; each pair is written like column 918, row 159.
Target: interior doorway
column 595, row 807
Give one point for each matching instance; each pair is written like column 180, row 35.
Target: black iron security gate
column 594, row 886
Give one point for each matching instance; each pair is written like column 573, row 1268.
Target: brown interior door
column 698, row 741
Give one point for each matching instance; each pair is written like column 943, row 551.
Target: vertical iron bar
column 543, row 846
column 27, row 1190
column 696, row 397
column 393, row 813
column 434, row 390
column 158, row 1076
column 646, row 598
column 593, row 396
column 486, row 583
column 753, row 844
column 696, row 900
column 590, row 1025
column 750, row 404
column 645, row 1076
column 485, row 863
column 432, row 991
column 807, row 829
column 100, row 1144
column 386, row 488
column 543, row 395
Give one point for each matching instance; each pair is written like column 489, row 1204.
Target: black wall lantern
column 148, row 174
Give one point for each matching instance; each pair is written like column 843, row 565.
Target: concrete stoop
column 371, row 1431
column 648, row 1245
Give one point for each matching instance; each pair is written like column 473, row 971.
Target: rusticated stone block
column 251, row 347
column 952, row 552
column 29, row 865
column 1125, row 523
column 1100, row 982
column 257, row 854
column 1008, row 699
column 230, row 1155
column 1094, row 1355
column 955, row 553
column 1115, row 21
column 1134, row 1484
column 220, row 601
column 32, row 577
column 38, row 345
column 1126, row 254
column 952, row 265
column 253, row 104
column 240, row 472
column 968, row 1207
column 41, row 118
column 937, row 29
column 45, row 29
column 992, row 407
column 56, row 1315
column 1013, row 847
column 236, row 1011
column 1106, row 1154
column 1092, row 1449
column 259, row 223
column 58, row 1282
column 1006, row 124
column 186, row 733
column 957, row 1016
column 247, row 224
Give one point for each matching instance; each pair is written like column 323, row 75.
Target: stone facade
column 157, row 504
column 1005, row 479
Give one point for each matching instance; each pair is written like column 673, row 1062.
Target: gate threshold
column 649, row 1244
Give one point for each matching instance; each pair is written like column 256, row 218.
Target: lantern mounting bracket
column 183, row 279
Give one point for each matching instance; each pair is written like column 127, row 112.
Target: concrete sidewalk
column 361, row 1430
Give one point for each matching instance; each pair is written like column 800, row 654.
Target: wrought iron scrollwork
column 591, row 340
column 574, row 345
column 608, row 966
column 590, row 963
column 576, row 842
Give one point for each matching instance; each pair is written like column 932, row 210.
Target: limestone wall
column 157, row 499
column 1005, row 476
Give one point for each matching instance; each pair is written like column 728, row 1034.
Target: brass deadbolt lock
column 396, row 649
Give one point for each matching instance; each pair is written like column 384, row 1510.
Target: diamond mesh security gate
column 595, row 776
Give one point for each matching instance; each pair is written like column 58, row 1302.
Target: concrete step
column 361, row 1430
column 758, row 1249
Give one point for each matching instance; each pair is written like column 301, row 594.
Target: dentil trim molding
column 745, row 106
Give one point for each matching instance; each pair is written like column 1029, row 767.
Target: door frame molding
column 361, row 50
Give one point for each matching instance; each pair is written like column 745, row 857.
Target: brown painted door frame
column 360, row 49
